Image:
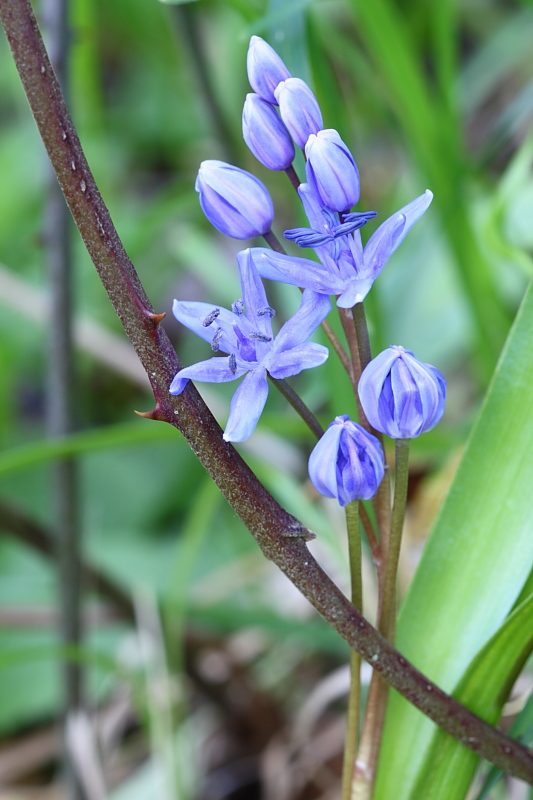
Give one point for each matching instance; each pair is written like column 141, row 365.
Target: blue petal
column 247, row 406
column 355, row 292
column 299, row 109
column 391, row 234
column 296, row 271
column 191, row 314
column 313, row 309
column 214, row 370
column 178, row 384
column 253, row 294
column 371, row 383
column 265, row 69
column 291, row 362
column 323, row 462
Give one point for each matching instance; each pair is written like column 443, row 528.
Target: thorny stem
column 280, row 536
column 377, row 697
column 272, row 240
column 299, row 406
column 354, row 696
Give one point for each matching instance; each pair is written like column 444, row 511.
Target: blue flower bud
column 347, row 463
column 331, row 170
column 265, row 69
column 299, row 109
column 265, row 134
column 401, row 396
column 234, row 201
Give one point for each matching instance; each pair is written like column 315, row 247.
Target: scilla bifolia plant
column 395, row 394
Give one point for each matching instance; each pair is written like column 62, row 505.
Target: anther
column 215, row 341
column 266, row 312
column 238, row 307
column 232, row 364
column 211, row 317
column 260, row 337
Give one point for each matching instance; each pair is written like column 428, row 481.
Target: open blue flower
column 245, row 333
column 348, row 270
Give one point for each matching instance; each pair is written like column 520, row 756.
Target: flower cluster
column 400, row 395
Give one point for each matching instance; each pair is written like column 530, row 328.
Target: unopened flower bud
column 331, row 170
column 299, row 109
column 265, row 134
column 234, row 201
column 347, row 463
column 265, row 69
column 401, row 396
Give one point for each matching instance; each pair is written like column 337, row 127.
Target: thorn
column 154, row 414
column 157, row 318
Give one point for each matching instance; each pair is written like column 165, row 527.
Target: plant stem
column 401, row 478
column 272, row 240
column 370, row 535
column 354, row 697
column 293, row 177
column 280, row 536
column 299, row 406
column 361, row 332
column 377, row 697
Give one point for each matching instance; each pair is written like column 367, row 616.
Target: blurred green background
column 205, row 688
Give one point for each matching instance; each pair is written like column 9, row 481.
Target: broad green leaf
column 449, row 766
column 478, row 557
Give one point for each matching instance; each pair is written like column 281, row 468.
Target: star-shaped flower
column 246, row 334
column 349, row 270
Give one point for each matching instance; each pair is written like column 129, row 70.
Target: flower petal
column 355, row 292
column 323, row 462
column 296, row 271
column 213, row 370
column 253, row 294
column 391, row 234
column 247, row 406
column 291, row 362
column 313, row 309
column 192, row 314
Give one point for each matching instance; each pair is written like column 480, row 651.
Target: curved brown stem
column 280, row 536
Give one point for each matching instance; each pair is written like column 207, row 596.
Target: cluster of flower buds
column 401, row 396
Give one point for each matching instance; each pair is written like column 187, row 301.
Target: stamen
column 260, row 337
column 211, row 317
column 232, row 364
column 238, row 307
column 215, row 341
column 266, row 311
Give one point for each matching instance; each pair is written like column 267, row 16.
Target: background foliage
column 436, row 95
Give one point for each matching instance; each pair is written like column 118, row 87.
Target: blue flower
column 347, row 463
column 401, row 396
column 265, row 134
column 233, row 200
column 351, row 270
column 265, row 69
column 299, row 109
column 331, row 170
column 245, row 333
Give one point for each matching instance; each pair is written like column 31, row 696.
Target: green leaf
column 29, row 455
column 449, row 766
column 478, row 557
